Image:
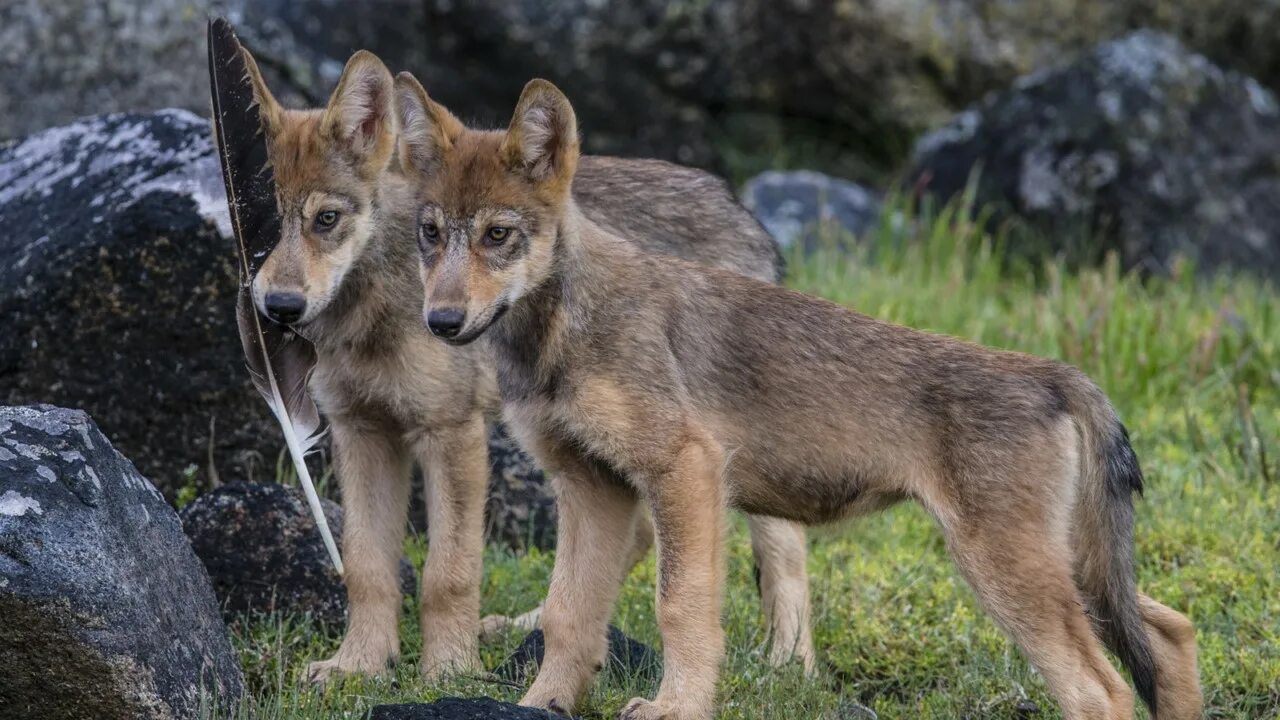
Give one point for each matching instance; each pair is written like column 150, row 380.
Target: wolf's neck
column 534, row 340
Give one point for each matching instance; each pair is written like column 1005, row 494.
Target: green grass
column 1193, row 366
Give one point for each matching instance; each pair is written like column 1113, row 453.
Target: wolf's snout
column 446, row 322
column 285, row 308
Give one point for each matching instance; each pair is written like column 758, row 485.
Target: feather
column 280, row 362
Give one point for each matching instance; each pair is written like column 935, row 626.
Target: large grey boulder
column 1138, row 146
column 117, row 285
column 106, row 613
column 263, row 552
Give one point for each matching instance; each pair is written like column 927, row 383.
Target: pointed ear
column 360, row 115
column 269, row 111
column 427, row 129
column 542, row 140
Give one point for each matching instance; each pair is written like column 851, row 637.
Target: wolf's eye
column 497, row 235
column 326, row 219
column 430, row 233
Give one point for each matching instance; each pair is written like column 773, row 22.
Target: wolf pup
column 395, row 396
column 643, row 379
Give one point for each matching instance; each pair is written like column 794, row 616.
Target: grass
column 1193, row 366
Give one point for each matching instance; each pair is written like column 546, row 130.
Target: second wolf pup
column 394, row 396
column 641, row 379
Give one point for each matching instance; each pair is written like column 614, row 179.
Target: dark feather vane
column 279, row 361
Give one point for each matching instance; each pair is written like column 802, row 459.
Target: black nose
column 284, row 307
column 445, row 323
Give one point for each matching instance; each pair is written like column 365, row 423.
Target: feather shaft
column 274, row 356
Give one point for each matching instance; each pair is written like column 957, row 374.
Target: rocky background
column 1145, row 128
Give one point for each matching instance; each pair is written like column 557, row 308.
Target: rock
column 724, row 83
column 520, row 512
column 628, row 658
column 78, row 57
column 1151, row 149
column 263, row 552
column 460, row 709
column 703, row 82
column 107, row 612
column 117, row 285
column 1026, row 708
column 805, row 207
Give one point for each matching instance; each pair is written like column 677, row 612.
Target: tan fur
column 692, row 389
column 395, row 396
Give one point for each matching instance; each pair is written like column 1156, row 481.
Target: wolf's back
column 674, row 210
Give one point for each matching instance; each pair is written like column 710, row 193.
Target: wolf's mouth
column 470, row 336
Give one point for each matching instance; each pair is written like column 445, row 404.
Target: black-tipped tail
column 1115, row 600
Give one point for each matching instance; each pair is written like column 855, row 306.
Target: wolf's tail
column 1104, row 544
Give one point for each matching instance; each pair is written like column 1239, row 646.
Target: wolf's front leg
column 373, row 471
column 455, row 463
column 687, row 503
column 596, row 528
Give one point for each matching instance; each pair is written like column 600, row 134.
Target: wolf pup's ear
column 427, row 129
column 360, row 115
column 542, row 140
column 269, row 111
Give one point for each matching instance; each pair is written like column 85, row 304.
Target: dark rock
column 1141, row 144
column 106, row 611
column 628, row 658
column 263, row 551
column 117, row 285
column 804, row 206
column 679, row 80
column 460, row 709
column 1026, row 708
column 78, row 57
column 520, row 512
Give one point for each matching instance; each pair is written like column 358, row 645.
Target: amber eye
column 430, row 233
column 497, row 235
column 326, row 219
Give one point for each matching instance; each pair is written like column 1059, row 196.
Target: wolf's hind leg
column 1173, row 643
column 373, row 471
column 779, row 547
column 1021, row 571
column 491, row 626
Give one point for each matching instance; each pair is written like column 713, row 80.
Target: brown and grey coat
column 651, row 382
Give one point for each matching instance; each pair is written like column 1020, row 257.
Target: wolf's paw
column 547, row 703
column 437, row 667
column 494, row 626
column 641, row 709
column 325, row 671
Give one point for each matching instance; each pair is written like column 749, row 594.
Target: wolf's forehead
column 302, row 158
column 475, row 180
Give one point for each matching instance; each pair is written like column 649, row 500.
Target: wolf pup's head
column 490, row 202
column 327, row 164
